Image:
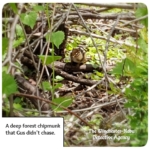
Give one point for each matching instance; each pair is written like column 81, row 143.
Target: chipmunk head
column 78, row 56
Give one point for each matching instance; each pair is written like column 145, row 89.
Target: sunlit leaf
column 58, row 85
column 29, row 18
column 118, row 70
column 56, row 38
column 62, row 101
column 38, row 8
column 9, row 85
column 18, row 42
column 17, row 106
column 4, row 45
column 143, row 45
column 17, row 100
column 46, row 86
column 142, row 11
column 19, row 31
column 58, row 78
column 49, row 59
column 14, row 7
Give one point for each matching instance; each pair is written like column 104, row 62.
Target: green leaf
column 143, row 45
column 62, row 101
column 18, row 42
column 14, row 7
column 144, row 34
column 5, row 68
column 38, row 8
column 114, row 89
column 29, row 18
column 9, row 85
column 99, row 73
column 19, row 31
column 46, row 86
column 57, row 38
column 58, row 85
column 142, row 11
column 49, row 59
column 95, row 77
column 17, row 106
column 17, row 100
column 58, row 78
column 129, row 65
column 4, row 45
column 126, row 67
column 48, row 39
column 118, row 69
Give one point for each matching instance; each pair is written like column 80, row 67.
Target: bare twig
column 11, row 38
column 68, row 12
column 120, row 107
column 89, row 34
column 106, row 50
column 112, row 102
column 110, row 5
column 124, row 16
column 73, row 78
column 108, row 25
column 135, row 20
column 57, row 24
column 27, row 40
column 47, row 50
column 90, row 88
column 101, row 37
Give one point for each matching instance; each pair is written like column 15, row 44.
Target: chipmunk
column 78, row 56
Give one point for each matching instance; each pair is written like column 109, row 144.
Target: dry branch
column 110, row 5
column 125, row 16
column 28, row 88
column 73, row 78
column 50, row 102
column 69, row 67
column 100, row 37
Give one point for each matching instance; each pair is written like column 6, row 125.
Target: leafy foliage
column 58, row 78
column 126, row 67
column 9, row 85
column 142, row 11
column 56, row 38
column 14, row 7
column 135, row 65
column 48, row 87
column 62, row 101
column 130, row 62
column 49, row 59
column 38, row 8
column 20, row 36
column 4, row 45
column 29, row 18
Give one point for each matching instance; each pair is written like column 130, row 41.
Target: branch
column 125, row 16
column 30, row 89
column 138, row 19
column 50, row 102
column 68, row 67
column 11, row 38
column 73, row 78
column 101, row 37
column 110, row 5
